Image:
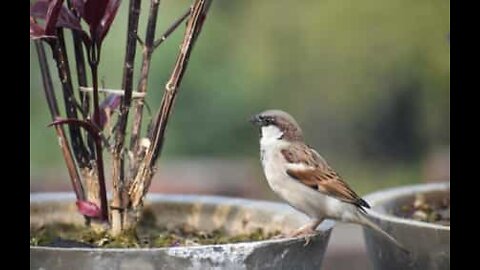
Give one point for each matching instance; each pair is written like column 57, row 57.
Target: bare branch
column 127, row 84
column 102, row 192
column 139, row 40
column 146, row 170
column 93, row 60
column 60, row 56
column 54, row 112
column 194, row 26
column 171, row 29
column 81, row 75
column 142, row 83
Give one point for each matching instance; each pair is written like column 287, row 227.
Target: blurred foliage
column 367, row 80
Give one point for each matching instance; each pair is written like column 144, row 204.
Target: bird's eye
column 268, row 120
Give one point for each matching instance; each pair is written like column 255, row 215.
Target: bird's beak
column 256, row 120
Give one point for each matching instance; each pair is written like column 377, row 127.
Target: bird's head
column 277, row 124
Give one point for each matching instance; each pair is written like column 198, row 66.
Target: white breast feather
column 298, row 195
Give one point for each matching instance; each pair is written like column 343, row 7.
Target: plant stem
column 148, row 47
column 81, row 74
column 54, row 112
column 142, row 180
column 93, row 60
column 61, row 58
column 142, row 84
column 80, row 63
column 82, row 81
column 98, row 142
column 194, row 25
column 127, row 86
column 171, row 29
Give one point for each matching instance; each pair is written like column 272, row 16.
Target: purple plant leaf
column 107, row 107
column 93, row 12
column 88, row 209
column 65, row 17
column 39, row 9
column 88, row 126
column 68, row 20
column 36, row 31
column 51, row 18
column 107, row 19
column 86, row 39
column 79, row 5
column 98, row 14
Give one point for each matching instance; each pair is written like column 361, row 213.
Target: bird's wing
column 309, row 168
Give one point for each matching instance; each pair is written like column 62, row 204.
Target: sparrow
column 302, row 177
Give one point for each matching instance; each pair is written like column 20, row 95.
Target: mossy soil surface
column 426, row 210
column 146, row 235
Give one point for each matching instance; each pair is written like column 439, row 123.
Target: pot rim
column 325, row 227
column 386, row 195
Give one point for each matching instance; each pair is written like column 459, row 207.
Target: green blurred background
column 369, row 82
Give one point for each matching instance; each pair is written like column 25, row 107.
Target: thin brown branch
column 98, row 149
column 140, row 41
column 93, row 60
column 127, row 85
column 194, row 26
column 146, row 170
column 54, row 112
column 80, row 62
column 142, row 84
column 171, row 29
column 81, row 76
column 61, row 58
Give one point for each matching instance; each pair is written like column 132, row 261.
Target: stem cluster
column 83, row 149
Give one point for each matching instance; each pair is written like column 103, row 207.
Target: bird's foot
column 307, row 239
column 280, row 236
column 307, row 234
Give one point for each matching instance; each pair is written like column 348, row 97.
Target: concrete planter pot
column 203, row 212
column 429, row 243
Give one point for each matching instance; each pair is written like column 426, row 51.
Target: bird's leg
column 307, row 230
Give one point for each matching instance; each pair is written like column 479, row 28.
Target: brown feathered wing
column 309, row 168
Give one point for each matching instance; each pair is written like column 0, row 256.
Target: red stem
column 55, row 113
column 94, row 57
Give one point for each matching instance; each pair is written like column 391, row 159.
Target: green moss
column 146, row 235
column 47, row 234
column 426, row 210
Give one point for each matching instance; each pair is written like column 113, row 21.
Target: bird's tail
column 364, row 220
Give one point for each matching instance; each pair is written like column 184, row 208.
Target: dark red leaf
column 36, row 31
column 65, row 17
column 93, row 12
column 51, row 18
column 108, row 18
column 107, row 107
column 68, row 20
column 91, row 129
column 39, row 9
column 78, row 6
column 86, row 39
column 88, row 209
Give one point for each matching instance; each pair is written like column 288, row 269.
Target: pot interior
column 389, row 204
column 433, row 197
column 205, row 213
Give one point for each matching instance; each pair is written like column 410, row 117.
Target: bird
column 299, row 175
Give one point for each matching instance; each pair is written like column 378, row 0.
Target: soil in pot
column 427, row 209
column 147, row 235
